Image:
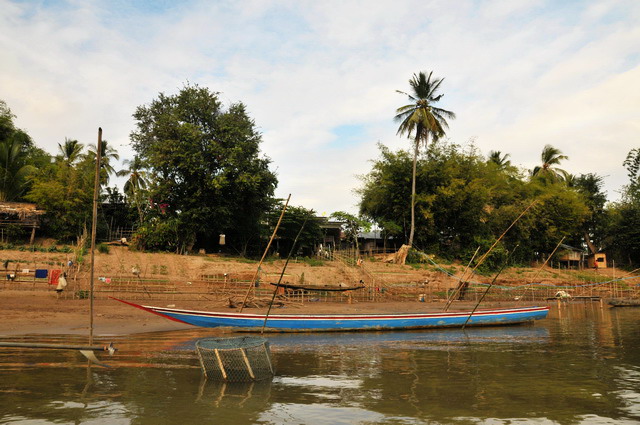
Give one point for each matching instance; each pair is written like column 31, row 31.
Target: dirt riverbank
column 28, row 306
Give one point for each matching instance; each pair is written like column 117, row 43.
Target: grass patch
column 313, row 262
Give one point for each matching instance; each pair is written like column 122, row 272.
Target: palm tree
column 136, row 184
column 106, row 155
column 420, row 120
column 550, row 156
column 70, row 151
column 502, row 161
column 13, row 170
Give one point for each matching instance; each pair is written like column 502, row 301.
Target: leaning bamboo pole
column 460, row 281
column 541, row 268
column 506, row 262
column 284, row 268
column 486, row 255
column 266, row 250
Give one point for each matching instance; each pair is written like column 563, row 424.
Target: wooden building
column 570, row 257
column 21, row 214
column 599, row 258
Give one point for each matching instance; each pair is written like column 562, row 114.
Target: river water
column 579, row 366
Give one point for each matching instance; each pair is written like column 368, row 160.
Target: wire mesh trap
column 242, row 359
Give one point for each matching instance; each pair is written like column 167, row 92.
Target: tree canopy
column 421, row 119
column 465, row 201
column 205, row 172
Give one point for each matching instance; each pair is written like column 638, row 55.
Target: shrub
column 103, row 248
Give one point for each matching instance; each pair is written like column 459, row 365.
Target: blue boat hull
column 348, row 322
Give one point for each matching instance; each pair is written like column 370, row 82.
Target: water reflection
column 582, row 365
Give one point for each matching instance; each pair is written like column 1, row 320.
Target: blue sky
column 320, row 77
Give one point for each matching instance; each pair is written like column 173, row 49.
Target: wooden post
column 220, row 364
column 96, row 192
column 255, row 276
column 246, row 362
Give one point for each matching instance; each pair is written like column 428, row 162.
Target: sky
column 320, row 77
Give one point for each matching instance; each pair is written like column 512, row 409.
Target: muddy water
column 581, row 366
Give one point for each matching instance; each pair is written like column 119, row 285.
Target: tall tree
column 547, row 171
column 206, row 173
column 107, row 156
column 421, row 120
column 14, row 170
column 70, row 151
column 501, row 161
column 136, row 184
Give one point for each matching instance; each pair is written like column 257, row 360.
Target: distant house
column 332, row 233
column 20, row 214
column 571, row 257
column 599, row 258
column 374, row 242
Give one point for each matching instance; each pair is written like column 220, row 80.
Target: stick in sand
column 96, row 191
column 253, row 281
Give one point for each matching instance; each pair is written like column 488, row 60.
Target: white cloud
column 519, row 75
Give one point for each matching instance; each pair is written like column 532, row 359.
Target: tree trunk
column 413, row 190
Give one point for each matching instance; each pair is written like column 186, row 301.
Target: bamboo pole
column 506, row 262
column 486, row 254
column 542, row 267
column 275, row 290
column 458, row 285
column 255, row 276
column 94, row 219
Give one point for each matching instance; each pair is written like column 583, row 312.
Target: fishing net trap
column 242, row 359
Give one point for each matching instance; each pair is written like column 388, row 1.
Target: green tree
column 206, row 174
column 500, row 160
column 590, row 187
column 466, row 201
column 420, row 120
column 65, row 191
column 18, row 157
column 352, row 226
column 135, row 188
column 107, row 156
column 14, row 170
column 70, row 151
column 623, row 234
column 547, row 172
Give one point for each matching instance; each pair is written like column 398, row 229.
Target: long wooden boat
column 248, row 322
column 318, row 288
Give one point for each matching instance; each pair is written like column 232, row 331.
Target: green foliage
column 420, row 120
column 312, row 261
column 465, row 201
column 292, row 221
column 547, row 172
column 415, row 256
column 66, row 193
column 103, row 248
column 351, row 225
column 204, row 171
column 16, row 162
column 159, row 235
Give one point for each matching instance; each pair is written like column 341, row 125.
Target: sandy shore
column 26, row 313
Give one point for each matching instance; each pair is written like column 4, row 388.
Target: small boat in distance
column 248, row 322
